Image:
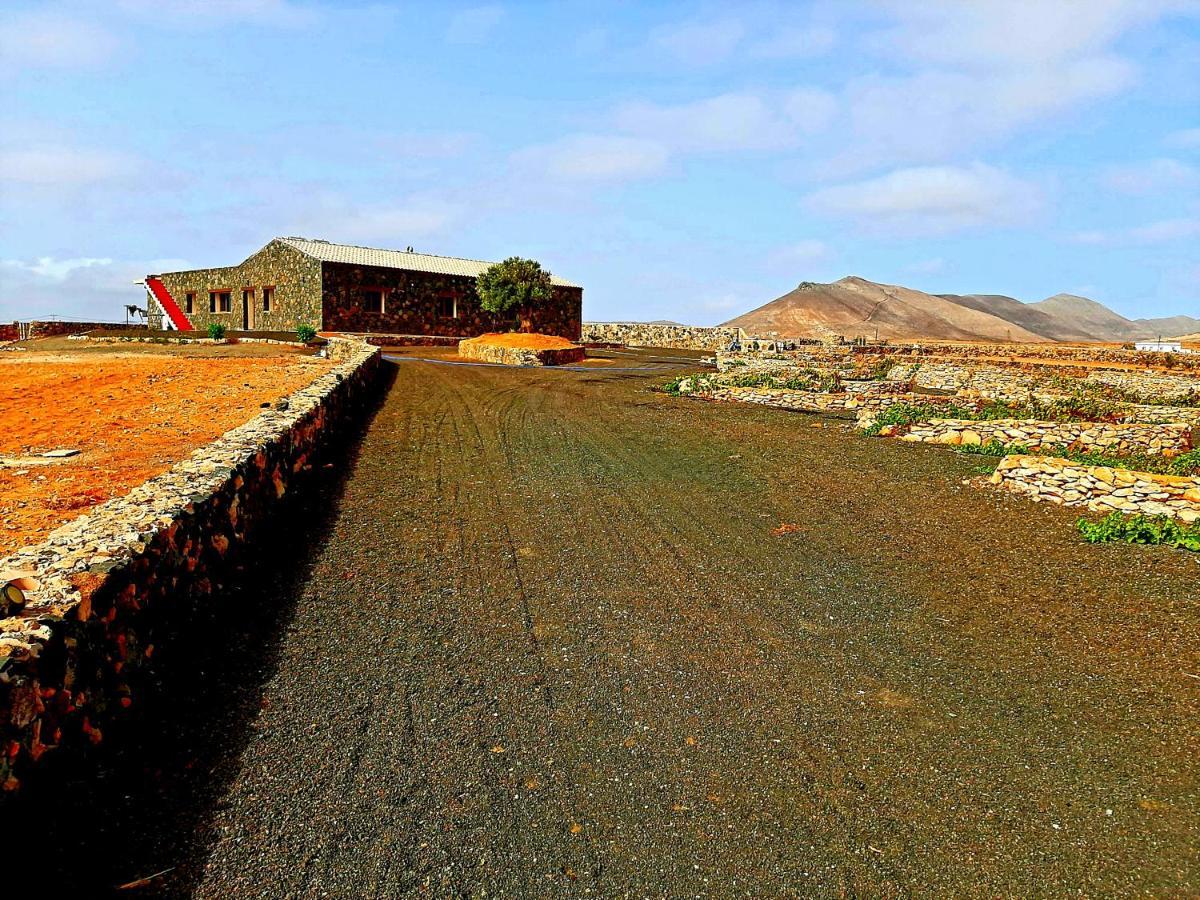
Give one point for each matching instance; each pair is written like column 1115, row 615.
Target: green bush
column 515, row 285
column 1139, row 529
column 305, row 333
column 216, row 331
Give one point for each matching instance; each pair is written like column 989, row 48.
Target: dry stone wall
column 1125, row 439
column 676, row 337
column 1099, row 488
column 104, row 588
column 519, row 356
column 1173, row 388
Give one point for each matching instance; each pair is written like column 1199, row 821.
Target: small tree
column 216, row 331
column 517, row 284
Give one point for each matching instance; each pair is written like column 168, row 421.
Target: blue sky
column 680, row 160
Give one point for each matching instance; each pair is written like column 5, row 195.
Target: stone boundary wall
column 520, row 356
column 400, row 340
column 1061, row 353
column 1170, row 387
column 228, row 339
column 108, row 585
column 1134, row 438
column 27, row 331
column 797, row 401
column 1100, row 488
column 673, row 337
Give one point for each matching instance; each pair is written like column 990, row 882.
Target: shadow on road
column 132, row 818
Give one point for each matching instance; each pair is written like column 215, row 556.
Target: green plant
column 305, row 333
column 216, row 331
column 515, row 285
column 992, row 448
column 901, row 414
column 1139, row 529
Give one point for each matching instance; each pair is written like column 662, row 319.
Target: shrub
column 305, row 333
column 515, row 285
column 1139, row 529
column 216, row 331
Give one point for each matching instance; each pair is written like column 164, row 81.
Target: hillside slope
column 855, row 307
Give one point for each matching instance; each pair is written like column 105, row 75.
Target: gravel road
column 543, row 641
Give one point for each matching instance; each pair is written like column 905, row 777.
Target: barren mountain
column 1024, row 314
column 854, row 307
column 1170, row 326
column 1082, row 319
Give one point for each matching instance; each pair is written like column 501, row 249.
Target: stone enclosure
column 103, row 591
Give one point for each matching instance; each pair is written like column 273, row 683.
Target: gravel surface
column 543, row 641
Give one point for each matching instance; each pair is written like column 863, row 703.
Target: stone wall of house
column 107, row 586
column 415, row 303
column 1099, row 488
column 1123, row 439
column 295, row 277
column 1172, row 388
column 1057, row 353
column 641, row 334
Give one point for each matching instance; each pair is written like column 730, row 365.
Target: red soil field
column 132, row 416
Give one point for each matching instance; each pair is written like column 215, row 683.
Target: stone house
column 296, row 281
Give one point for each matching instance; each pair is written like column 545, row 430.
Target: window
column 372, row 300
column 447, row 307
column 220, row 301
column 268, row 298
column 189, row 302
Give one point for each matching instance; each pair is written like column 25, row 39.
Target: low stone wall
column 108, row 585
column 1100, row 488
column 27, row 331
column 400, row 340
column 675, row 337
column 798, row 401
column 1134, row 438
column 519, row 356
column 1173, row 388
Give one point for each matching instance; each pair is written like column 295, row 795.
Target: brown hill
column 854, row 307
column 1081, row 319
column 1170, row 326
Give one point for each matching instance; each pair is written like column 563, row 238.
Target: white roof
column 395, row 259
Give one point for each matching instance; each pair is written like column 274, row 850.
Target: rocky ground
column 556, row 634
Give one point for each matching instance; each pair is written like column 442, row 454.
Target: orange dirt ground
column 523, row 341
column 131, row 415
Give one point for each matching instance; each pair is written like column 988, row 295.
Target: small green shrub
column 305, row 333
column 1139, row 529
column 216, row 331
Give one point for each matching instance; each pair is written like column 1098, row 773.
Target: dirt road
column 546, row 644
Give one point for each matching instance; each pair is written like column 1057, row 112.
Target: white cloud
column 593, row 157
column 736, row 121
column 795, row 42
column 204, row 14
column 931, row 199
column 802, row 253
column 474, row 25
column 1187, row 139
column 338, row 218
column 988, row 33
column 1151, row 177
column 928, row 266
column 62, row 166
column 1163, row 231
column 934, row 115
column 699, row 43
column 81, row 288
column 54, row 40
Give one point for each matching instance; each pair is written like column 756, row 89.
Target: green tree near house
column 516, row 286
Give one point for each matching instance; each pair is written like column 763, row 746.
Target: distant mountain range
column 855, row 307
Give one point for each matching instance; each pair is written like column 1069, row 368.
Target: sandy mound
column 521, row 349
column 521, row 341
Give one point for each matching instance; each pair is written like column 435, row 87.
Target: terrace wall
column 1125, row 439
column 1174, row 388
column 1100, row 488
column 113, row 583
column 676, row 337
